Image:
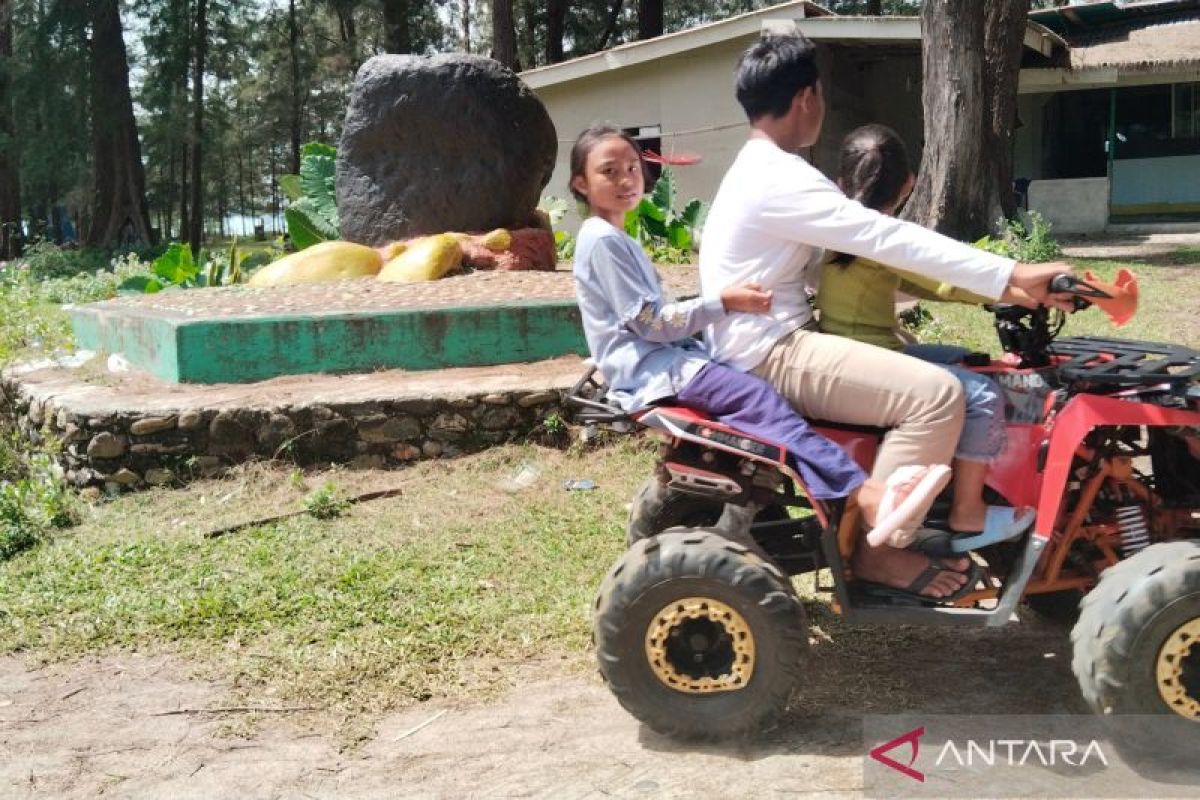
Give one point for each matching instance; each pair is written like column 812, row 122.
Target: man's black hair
column 773, row 71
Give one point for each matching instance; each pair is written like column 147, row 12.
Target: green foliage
column 33, row 321
column 30, row 324
column 667, row 235
column 325, row 502
column 564, row 246
column 555, row 209
column 176, row 268
column 33, row 506
column 312, row 213
column 1030, row 243
column 554, row 424
column 47, row 260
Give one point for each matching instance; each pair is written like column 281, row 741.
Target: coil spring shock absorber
column 1135, row 530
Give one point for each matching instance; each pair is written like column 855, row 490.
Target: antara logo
column 913, row 740
column 989, row 753
column 1018, row 752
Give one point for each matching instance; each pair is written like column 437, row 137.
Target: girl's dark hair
column 588, row 140
column 772, row 71
column 873, row 166
column 872, row 169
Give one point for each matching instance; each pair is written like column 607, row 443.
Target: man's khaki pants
column 840, row 380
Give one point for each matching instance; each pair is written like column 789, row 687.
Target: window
column 650, row 138
column 1185, row 105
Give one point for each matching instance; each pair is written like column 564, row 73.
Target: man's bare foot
column 910, row 492
column 899, row 568
column 871, row 493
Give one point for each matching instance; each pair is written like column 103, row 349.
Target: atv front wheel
column 698, row 637
column 1137, row 643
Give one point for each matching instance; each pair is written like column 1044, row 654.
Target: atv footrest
column 895, row 614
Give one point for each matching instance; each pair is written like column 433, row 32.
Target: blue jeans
column 983, row 435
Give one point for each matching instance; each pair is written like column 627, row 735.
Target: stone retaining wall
column 117, row 451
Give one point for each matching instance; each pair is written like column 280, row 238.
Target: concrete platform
column 241, row 334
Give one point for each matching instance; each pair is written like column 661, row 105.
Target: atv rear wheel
column 657, row 507
column 698, row 637
column 1137, row 643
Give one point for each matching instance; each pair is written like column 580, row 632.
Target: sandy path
column 97, row 728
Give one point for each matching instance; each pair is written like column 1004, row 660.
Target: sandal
column 1002, row 524
column 896, row 522
column 913, row 591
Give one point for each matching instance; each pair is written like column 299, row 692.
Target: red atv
column 700, row 633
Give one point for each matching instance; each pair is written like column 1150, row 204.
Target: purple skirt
column 750, row 404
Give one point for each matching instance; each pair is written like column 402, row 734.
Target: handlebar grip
column 1063, row 283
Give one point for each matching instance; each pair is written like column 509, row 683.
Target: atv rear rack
column 1121, row 362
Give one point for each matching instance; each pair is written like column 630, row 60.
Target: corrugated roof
column 1086, row 17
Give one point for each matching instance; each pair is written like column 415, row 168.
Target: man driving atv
column 773, row 216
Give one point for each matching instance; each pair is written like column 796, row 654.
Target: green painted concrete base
column 252, row 348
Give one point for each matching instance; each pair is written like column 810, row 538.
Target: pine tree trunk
column 168, row 215
column 466, row 25
column 294, row 112
column 119, row 211
column 504, row 37
column 527, row 49
column 10, row 178
column 396, row 34
column 196, row 223
column 185, row 191
column 971, row 60
column 610, row 28
column 556, row 20
column 650, row 18
column 1004, row 41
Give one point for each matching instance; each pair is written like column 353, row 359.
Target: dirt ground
column 128, row 725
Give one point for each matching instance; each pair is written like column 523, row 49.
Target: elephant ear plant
column 667, row 236
column 312, row 215
column 177, row 268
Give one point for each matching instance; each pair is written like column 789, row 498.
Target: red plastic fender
column 1077, row 418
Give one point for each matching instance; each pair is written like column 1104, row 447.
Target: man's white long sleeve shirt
column 773, row 217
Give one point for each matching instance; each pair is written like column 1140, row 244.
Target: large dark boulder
column 447, row 143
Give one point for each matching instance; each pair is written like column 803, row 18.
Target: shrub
column 325, row 502
column 668, row 236
column 33, row 506
column 1025, row 241
column 48, row 260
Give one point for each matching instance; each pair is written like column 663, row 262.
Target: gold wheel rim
column 1180, row 648
column 675, row 647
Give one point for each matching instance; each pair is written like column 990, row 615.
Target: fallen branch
column 238, row 526
column 423, row 725
column 237, row 710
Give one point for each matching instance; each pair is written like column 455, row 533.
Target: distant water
column 243, row 225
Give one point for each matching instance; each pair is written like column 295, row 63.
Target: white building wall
column 688, row 94
column 1078, row 205
column 693, row 95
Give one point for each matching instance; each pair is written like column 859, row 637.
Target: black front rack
column 1121, row 362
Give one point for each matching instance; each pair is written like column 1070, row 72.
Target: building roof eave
column 776, row 19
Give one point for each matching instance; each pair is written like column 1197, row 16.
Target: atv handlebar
column 1081, row 289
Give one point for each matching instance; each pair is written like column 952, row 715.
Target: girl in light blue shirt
column 643, row 344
